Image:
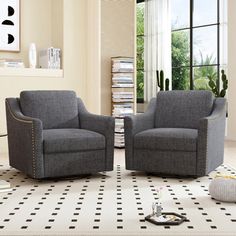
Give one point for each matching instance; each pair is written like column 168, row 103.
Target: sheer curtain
column 157, row 44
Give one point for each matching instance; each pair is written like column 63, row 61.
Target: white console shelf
column 29, row 72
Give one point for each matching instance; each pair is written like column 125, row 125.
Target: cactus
column 161, row 81
column 214, row 88
column 167, row 84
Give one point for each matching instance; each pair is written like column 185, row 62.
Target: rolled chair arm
column 211, row 133
column 104, row 125
column 24, row 140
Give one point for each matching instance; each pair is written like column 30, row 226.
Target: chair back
column 182, row 109
column 56, row 109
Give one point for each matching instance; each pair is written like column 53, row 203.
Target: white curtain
column 223, row 34
column 157, row 44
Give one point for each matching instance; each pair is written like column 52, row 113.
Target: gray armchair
column 181, row 133
column 51, row 134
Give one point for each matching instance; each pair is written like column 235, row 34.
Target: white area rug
column 111, row 204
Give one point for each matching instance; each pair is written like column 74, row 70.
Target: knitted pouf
column 223, row 189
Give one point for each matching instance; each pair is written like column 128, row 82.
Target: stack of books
column 122, row 110
column 119, row 140
column 11, row 63
column 119, row 126
column 119, row 133
column 5, row 186
column 123, row 96
column 122, row 80
column 122, row 64
column 50, row 58
column 119, row 112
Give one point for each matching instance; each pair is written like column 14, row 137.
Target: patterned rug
column 114, row 203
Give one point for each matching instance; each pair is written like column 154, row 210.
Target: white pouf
column 223, row 189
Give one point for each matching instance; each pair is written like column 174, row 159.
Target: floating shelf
column 29, row 72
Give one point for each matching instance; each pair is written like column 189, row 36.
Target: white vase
column 32, row 55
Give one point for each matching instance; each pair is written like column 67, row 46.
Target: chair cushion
column 174, row 139
column 56, row 109
column 182, row 109
column 71, row 140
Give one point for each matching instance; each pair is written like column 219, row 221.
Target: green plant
column 214, row 87
column 180, row 58
column 160, row 81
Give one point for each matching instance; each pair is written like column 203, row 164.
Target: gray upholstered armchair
column 51, row 134
column 181, row 133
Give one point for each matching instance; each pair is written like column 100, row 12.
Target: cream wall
column 38, row 26
column 231, row 132
column 94, row 56
column 35, row 27
column 117, row 39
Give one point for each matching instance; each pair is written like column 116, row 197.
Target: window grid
column 191, row 28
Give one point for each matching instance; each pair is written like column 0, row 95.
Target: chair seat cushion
column 176, row 139
column 71, row 140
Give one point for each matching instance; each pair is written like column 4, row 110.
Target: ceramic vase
column 32, row 55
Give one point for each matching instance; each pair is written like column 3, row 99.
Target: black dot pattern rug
column 112, row 203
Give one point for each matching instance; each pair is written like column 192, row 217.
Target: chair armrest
column 135, row 124
column 104, row 125
column 98, row 123
column 24, row 140
column 211, row 133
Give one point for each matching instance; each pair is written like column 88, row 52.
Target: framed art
column 10, row 25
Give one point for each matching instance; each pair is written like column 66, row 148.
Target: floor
column 113, row 204
column 230, row 153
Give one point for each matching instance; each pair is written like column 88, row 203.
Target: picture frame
column 10, row 25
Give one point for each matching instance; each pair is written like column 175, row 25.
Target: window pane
column 140, row 52
column 202, row 76
column 180, row 48
column 140, row 84
column 179, row 14
column 205, row 45
column 140, row 18
column 204, row 12
column 181, row 78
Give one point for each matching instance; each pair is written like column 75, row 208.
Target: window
column 195, row 43
column 140, row 50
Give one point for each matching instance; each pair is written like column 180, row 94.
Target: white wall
column 231, row 132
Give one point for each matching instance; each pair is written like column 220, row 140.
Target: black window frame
column 191, row 66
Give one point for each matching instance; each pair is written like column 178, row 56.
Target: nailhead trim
column 32, row 135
